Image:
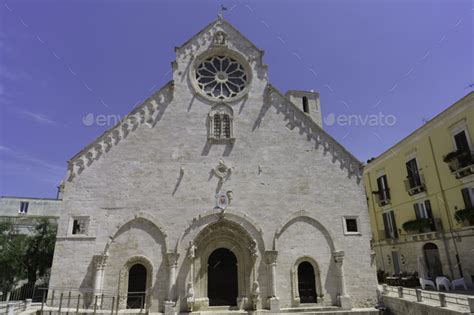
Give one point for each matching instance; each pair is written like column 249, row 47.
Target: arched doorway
column 433, row 262
column 306, row 283
column 222, row 278
column 136, row 286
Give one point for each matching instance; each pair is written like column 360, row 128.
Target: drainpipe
column 450, row 223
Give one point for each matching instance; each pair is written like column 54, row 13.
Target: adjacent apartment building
column 420, row 195
column 25, row 213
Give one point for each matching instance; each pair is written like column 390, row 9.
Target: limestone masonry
column 217, row 191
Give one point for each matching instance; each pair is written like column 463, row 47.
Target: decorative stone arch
column 295, row 296
column 232, row 236
column 306, row 217
column 142, row 215
column 202, row 221
column 123, row 278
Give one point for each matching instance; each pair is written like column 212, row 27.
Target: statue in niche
column 219, row 38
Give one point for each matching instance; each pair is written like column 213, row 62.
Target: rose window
column 221, row 77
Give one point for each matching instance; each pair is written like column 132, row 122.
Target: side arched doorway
column 222, row 278
column 306, row 283
column 137, row 278
column 433, row 262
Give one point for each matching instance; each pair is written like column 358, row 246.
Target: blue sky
column 402, row 61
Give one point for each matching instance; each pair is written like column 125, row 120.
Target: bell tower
column 308, row 102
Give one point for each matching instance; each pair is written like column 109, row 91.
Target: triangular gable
column 212, row 25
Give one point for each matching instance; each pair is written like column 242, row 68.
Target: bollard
column 43, row 300
column 60, row 303
column 400, row 292
column 101, row 300
column 11, row 308
column 113, row 304
column 470, row 301
column 385, row 289
column 419, row 297
column 68, row 302
column 117, row 305
column 78, row 302
column 95, row 304
column 442, row 300
column 27, row 304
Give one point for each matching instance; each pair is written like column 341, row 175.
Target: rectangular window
column 413, row 173
column 80, row 226
column 350, row 224
column 382, row 185
column 468, row 196
column 390, row 225
column 462, row 144
column 24, row 207
column 423, row 211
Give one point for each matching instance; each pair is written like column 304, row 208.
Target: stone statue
column 255, row 295
column 191, row 250
column 219, row 38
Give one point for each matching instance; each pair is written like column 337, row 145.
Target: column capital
column 271, row 256
column 100, row 261
column 338, row 256
column 172, row 258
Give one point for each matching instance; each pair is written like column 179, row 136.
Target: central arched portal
column 222, row 278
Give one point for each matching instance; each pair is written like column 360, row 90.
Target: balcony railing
column 460, row 162
column 382, row 197
column 465, row 216
column 421, row 225
column 415, row 184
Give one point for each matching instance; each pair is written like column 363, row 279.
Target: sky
column 382, row 68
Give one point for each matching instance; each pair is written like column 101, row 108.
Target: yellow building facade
column 420, row 195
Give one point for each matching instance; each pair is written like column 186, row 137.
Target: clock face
column 221, row 77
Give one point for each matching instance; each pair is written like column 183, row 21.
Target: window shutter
column 385, row 224
column 379, row 184
column 417, row 210
column 428, row 209
column 387, row 191
column 466, row 197
column 395, row 230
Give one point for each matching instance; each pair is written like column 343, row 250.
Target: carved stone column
column 172, row 259
column 344, row 299
column 190, row 299
column 100, row 262
column 271, row 260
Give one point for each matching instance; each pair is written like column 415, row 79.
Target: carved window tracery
column 221, row 77
column 221, row 123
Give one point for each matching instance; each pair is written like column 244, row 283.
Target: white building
column 217, row 191
column 26, row 212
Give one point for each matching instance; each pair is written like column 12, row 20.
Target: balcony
column 422, row 225
column 382, row 197
column 465, row 216
column 415, row 184
column 460, row 162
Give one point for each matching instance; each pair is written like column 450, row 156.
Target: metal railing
column 73, row 301
column 26, row 291
column 435, row 298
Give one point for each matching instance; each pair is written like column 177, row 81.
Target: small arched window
column 217, row 126
column 305, row 105
column 220, row 127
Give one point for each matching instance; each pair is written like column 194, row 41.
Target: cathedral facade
column 219, row 191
